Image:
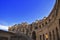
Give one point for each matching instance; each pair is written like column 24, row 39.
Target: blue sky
column 18, row 11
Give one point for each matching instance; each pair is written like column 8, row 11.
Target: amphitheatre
column 46, row 29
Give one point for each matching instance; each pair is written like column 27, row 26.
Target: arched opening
column 34, row 35
column 57, row 33
column 53, row 35
column 50, row 36
column 40, row 37
column 43, row 37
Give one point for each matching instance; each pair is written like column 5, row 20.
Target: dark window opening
column 36, row 27
column 31, row 27
column 43, row 25
column 39, row 26
column 45, row 22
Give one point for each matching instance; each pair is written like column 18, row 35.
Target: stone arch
column 43, row 37
column 34, row 35
column 57, row 33
column 50, row 36
column 53, row 33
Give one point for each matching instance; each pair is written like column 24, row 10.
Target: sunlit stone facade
column 46, row 29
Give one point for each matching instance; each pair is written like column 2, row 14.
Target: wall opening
column 34, row 35
column 50, row 36
column 40, row 37
column 57, row 33
column 53, row 35
column 43, row 37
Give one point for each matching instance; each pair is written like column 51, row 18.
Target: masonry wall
column 46, row 29
column 52, row 29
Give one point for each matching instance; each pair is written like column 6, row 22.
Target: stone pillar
column 41, row 37
column 48, row 35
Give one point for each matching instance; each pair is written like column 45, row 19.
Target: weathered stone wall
column 46, row 29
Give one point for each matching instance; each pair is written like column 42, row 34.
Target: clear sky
column 18, row 11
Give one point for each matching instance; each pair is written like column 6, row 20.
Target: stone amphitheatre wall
column 51, row 30
column 45, row 29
